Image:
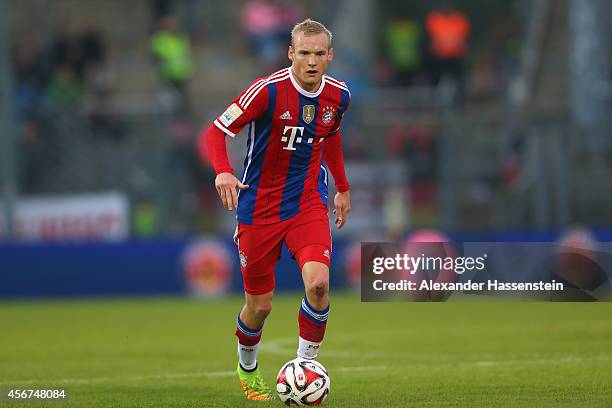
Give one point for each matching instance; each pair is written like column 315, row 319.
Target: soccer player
column 294, row 120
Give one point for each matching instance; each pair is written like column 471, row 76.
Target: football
column 302, row 382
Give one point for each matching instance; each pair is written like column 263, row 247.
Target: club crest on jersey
column 328, row 115
column 308, row 113
column 243, row 259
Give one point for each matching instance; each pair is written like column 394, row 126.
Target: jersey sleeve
column 250, row 105
column 334, row 158
column 341, row 111
column 212, row 149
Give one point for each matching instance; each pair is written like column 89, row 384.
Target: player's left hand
column 342, row 202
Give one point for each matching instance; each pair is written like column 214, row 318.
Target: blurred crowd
column 53, row 74
column 267, row 25
column 50, row 78
column 424, row 53
column 434, row 48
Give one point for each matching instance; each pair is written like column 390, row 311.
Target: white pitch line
column 167, row 376
column 359, row 368
column 212, row 374
column 560, row 360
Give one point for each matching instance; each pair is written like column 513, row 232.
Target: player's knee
column 318, row 287
column 261, row 309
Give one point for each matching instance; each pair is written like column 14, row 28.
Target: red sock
column 248, row 344
column 312, row 324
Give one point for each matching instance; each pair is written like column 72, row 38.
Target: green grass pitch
column 179, row 352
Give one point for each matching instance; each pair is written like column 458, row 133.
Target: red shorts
column 307, row 236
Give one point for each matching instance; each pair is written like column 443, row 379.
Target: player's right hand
column 227, row 185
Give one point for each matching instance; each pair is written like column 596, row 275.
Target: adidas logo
column 286, row 116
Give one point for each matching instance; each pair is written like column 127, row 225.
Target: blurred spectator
column 64, row 89
column 50, row 80
column 513, row 156
column 161, row 8
column 31, row 74
column 75, row 57
column 403, row 46
column 97, row 81
column 65, row 50
column 382, row 73
column 417, row 145
column 172, row 52
column 30, row 77
column 506, row 47
column 448, row 31
column 93, row 48
column 78, row 50
column 262, row 21
column 291, row 12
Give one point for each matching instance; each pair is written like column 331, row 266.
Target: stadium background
column 516, row 142
column 103, row 192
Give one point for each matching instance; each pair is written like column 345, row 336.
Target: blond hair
column 309, row 27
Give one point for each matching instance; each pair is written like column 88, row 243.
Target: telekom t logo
column 294, row 137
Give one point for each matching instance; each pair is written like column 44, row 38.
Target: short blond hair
column 309, row 27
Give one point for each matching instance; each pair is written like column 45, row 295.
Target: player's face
column 310, row 55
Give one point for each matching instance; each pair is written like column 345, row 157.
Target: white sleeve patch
column 230, row 115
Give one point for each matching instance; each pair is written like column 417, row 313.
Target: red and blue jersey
column 287, row 127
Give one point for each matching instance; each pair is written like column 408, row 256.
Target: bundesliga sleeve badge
column 230, row 115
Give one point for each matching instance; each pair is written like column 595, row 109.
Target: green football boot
column 253, row 385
